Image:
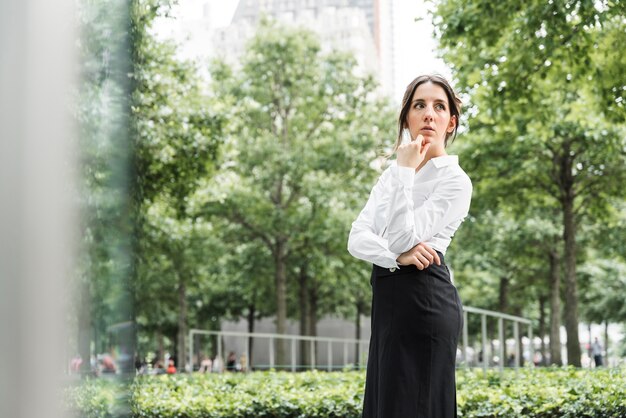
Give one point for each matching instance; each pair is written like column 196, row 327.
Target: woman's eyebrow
column 435, row 100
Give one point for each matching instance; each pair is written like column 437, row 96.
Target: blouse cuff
column 405, row 175
column 388, row 260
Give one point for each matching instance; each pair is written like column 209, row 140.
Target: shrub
column 538, row 393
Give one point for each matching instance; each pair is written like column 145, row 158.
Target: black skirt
column 417, row 317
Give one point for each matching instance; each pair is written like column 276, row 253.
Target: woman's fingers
column 422, row 256
column 413, row 153
column 418, row 264
column 423, row 259
column 436, row 258
column 430, row 254
column 423, row 250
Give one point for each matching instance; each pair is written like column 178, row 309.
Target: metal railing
column 517, row 320
column 272, row 337
column 358, row 344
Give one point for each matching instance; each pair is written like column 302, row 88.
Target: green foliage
column 102, row 108
column 279, row 150
column 149, row 133
column 302, row 132
column 93, row 398
column 538, row 393
column 603, row 290
column 545, row 146
column 571, row 393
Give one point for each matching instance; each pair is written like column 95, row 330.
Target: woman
column 404, row 230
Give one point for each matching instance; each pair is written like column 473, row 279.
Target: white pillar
column 37, row 217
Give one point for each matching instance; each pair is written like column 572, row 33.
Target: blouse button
column 392, row 269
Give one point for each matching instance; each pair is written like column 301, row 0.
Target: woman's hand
column 412, row 154
column 421, row 256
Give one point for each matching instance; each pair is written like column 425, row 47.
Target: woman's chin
column 429, row 135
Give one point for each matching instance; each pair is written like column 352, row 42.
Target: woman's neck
column 432, row 153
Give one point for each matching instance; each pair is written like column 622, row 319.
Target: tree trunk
column 251, row 314
column 197, row 343
column 357, row 336
column 182, row 323
column 313, row 314
column 503, row 307
column 565, row 181
column 97, row 340
column 555, row 308
column 542, row 329
column 589, row 351
column 304, row 317
column 503, row 294
column 606, row 343
column 160, row 347
column 571, row 287
column 281, row 300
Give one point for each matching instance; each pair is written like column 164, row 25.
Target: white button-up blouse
column 407, row 207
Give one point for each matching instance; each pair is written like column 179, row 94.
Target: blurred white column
column 36, row 230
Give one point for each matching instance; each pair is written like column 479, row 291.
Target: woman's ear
column 451, row 124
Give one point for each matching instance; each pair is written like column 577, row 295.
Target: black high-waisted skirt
column 417, row 317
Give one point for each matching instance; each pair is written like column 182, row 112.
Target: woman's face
column 429, row 115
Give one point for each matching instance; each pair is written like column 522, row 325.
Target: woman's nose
column 428, row 113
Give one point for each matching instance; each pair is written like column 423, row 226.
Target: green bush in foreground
column 536, row 393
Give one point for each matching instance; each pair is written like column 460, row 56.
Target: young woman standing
column 404, row 230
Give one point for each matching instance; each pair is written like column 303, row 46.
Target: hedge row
column 536, row 393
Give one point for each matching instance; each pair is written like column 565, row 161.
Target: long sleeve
column 408, row 226
column 363, row 242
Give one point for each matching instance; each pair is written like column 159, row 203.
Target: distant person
column 171, row 368
column 158, row 368
column 511, row 360
column 108, row 366
column 596, row 352
column 140, row 365
column 75, row 363
column 231, row 362
column 404, row 230
column 243, row 362
column 218, row 365
column 205, row 365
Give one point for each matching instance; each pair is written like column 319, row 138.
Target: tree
column 177, row 139
column 500, row 262
column 548, row 98
column 300, row 121
column 604, row 272
column 108, row 210
column 148, row 134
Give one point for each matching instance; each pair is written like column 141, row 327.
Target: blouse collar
column 445, row 160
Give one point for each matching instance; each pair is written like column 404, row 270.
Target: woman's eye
column 440, row 106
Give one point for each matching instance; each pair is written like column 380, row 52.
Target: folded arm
column 364, row 243
column 408, row 225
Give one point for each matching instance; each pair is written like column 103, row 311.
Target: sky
column 222, row 9
column 414, row 39
column 416, row 43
